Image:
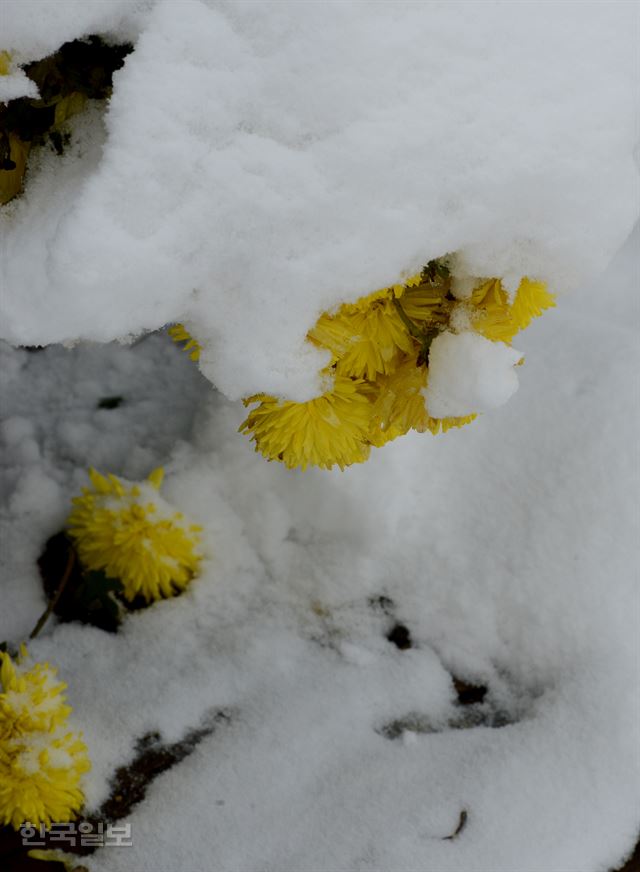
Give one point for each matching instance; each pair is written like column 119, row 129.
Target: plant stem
column 461, row 825
column 408, row 323
column 44, row 617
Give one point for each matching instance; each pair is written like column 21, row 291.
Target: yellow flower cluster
column 379, row 368
column 129, row 532
column 378, row 372
column 41, row 761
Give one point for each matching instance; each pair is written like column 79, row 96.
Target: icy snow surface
column 508, row 549
column 261, row 162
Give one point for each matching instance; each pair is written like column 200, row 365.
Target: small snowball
column 468, row 373
column 17, row 85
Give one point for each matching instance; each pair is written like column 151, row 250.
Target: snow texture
column 508, row 549
column 262, row 162
column 15, row 85
column 33, row 29
column 468, row 374
column 259, row 163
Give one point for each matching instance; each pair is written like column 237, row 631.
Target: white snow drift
column 261, row 162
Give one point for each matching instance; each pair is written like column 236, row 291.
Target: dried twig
column 461, row 825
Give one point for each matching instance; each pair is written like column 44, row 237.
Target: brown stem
column 44, row 617
column 461, row 825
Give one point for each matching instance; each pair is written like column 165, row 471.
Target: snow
column 33, row 29
column 507, row 548
column 259, row 163
column 469, row 374
column 16, row 84
column 263, row 162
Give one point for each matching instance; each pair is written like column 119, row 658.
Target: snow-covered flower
column 400, row 405
column 326, row 431
column 364, row 338
column 131, row 533
column 380, row 350
column 497, row 318
column 41, row 761
column 380, row 347
column 370, row 337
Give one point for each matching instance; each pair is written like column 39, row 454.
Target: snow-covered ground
column 259, row 163
column 508, row 549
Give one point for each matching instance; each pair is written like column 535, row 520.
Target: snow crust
column 508, row 549
column 468, row 374
column 262, row 162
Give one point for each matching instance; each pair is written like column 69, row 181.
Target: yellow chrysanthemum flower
column 400, row 405
column 498, row 319
column 380, row 351
column 364, row 341
column 179, row 333
column 41, row 761
column 326, row 431
column 398, row 290
column 131, row 533
column 29, row 700
column 369, row 337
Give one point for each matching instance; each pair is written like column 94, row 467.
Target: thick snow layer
column 468, row 374
column 508, row 549
column 265, row 161
column 32, row 29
